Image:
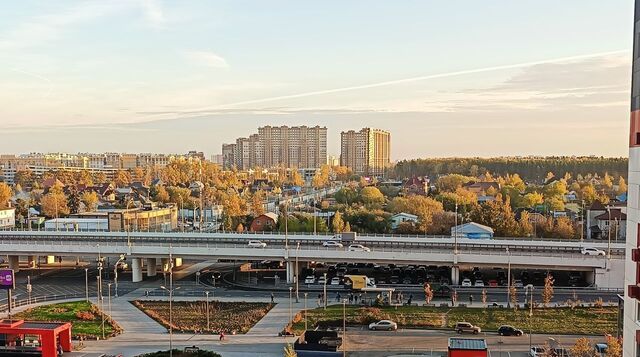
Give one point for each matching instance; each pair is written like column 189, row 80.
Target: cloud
column 206, row 58
column 153, row 12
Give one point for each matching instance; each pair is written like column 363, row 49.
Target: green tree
column 346, row 195
column 371, row 196
column 532, row 199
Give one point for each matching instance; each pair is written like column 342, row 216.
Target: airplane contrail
column 37, row 76
column 411, row 79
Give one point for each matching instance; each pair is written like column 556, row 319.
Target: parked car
column 332, row 243
column 358, row 248
column 518, row 283
column 593, row 251
column 507, row 330
column 335, row 281
column 257, row 244
column 310, row 279
column 493, row 283
column 322, row 280
column 387, row 325
column 479, row 283
column 466, row 327
column 394, row 280
column 538, row 351
column 466, row 282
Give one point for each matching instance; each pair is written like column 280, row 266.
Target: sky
column 445, row 77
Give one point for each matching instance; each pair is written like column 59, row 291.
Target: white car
column 310, row 279
column 335, row 281
column 332, row 243
column 257, row 244
column 322, row 280
column 386, row 325
column 593, row 251
column 358, row 248
column 479, row 283
column 466, row 282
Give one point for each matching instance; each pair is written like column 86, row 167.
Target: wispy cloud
column 206, row 58
column 153, row 12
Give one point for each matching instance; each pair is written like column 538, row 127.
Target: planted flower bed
column 191, row 316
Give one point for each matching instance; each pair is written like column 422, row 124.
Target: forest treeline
column 529, row 168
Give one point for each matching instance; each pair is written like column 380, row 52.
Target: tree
column 257, row 203
column 289, row 351
column 346, row 195
column 337, row 223
column 614, row 347
column 583, row 348
column 607, row 181
column 90, row 200
column 347, row 227
column 321, row 178
column 496, row 214
column 555, row 203
column 563, row 228
column 525, row 228
column 295, row 179
column 5, row 195
column 451, row 182
column 423, row 207
column 428, row 293
column 162, row 195
column 532, row 199
column 484, row 297
column 371, row 196
column 23, row 178
column 622, row 186
column 122, row 178
column 547, row 292
column 54, row 203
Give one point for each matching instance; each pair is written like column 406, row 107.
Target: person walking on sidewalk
column 272, row 298
column 221, row 335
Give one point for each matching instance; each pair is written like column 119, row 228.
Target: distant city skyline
column 446, row 79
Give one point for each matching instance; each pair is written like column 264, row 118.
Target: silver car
column 385, row 325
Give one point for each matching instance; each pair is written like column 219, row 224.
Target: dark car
column 506, row 330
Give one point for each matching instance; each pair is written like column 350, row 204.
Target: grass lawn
column 84, row 316
column 587, row 320
column 191, row 316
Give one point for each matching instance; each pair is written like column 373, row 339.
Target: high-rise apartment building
column 631, row 320
column 366, row 152
column 298, row 146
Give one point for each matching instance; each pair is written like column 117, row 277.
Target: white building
column 631, row 320
column 402, row 217
column 7, row 218
column 77, row 224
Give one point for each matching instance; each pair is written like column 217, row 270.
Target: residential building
column 613, row 222
column 264, row 222
column 7, row 218
column 276, row 146
column 483, row 188
column 631, row 309
column 402, row 217
column 472, row 230
column 367, row 152
column 333, row 160
column 138, row 219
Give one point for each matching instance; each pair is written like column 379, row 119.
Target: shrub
column 85, row 315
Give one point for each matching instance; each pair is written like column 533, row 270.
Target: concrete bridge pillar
column 14, row 263
column 455, row 275
column 136, row 269
column 51, row 259
column 177, row 262
column 291, row 272
column 151, row 267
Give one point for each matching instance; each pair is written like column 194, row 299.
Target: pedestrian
column 272, row 298
column 355, row 299
column 360, row 297
column 410, row 299
column 350, row 298
column 221, row 335
column 338, row 297
column 470, row 299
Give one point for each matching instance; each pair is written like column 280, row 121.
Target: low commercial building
column 77, row 224
column 7, row 218
column 51, row 338
column 467, row 347
column 139, row 219
column 472, row 230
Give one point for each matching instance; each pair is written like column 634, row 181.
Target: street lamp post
column 344, row 327
column 207, row 294
column 290, row 304
column 529, row 288
column 296, row 274
column 455, row 235
column 305, row 311
column 86, row 284
column 171, row 289
column 324, row 291
column 508, row 276
column 115, row 275
column 109, row 298
column 609, row 243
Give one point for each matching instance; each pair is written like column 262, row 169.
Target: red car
column 493, row 283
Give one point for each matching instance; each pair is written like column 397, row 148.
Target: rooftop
column 467, row 343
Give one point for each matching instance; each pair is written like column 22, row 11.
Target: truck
column 348, row 237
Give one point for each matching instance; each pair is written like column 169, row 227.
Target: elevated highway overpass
column 147, row 247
